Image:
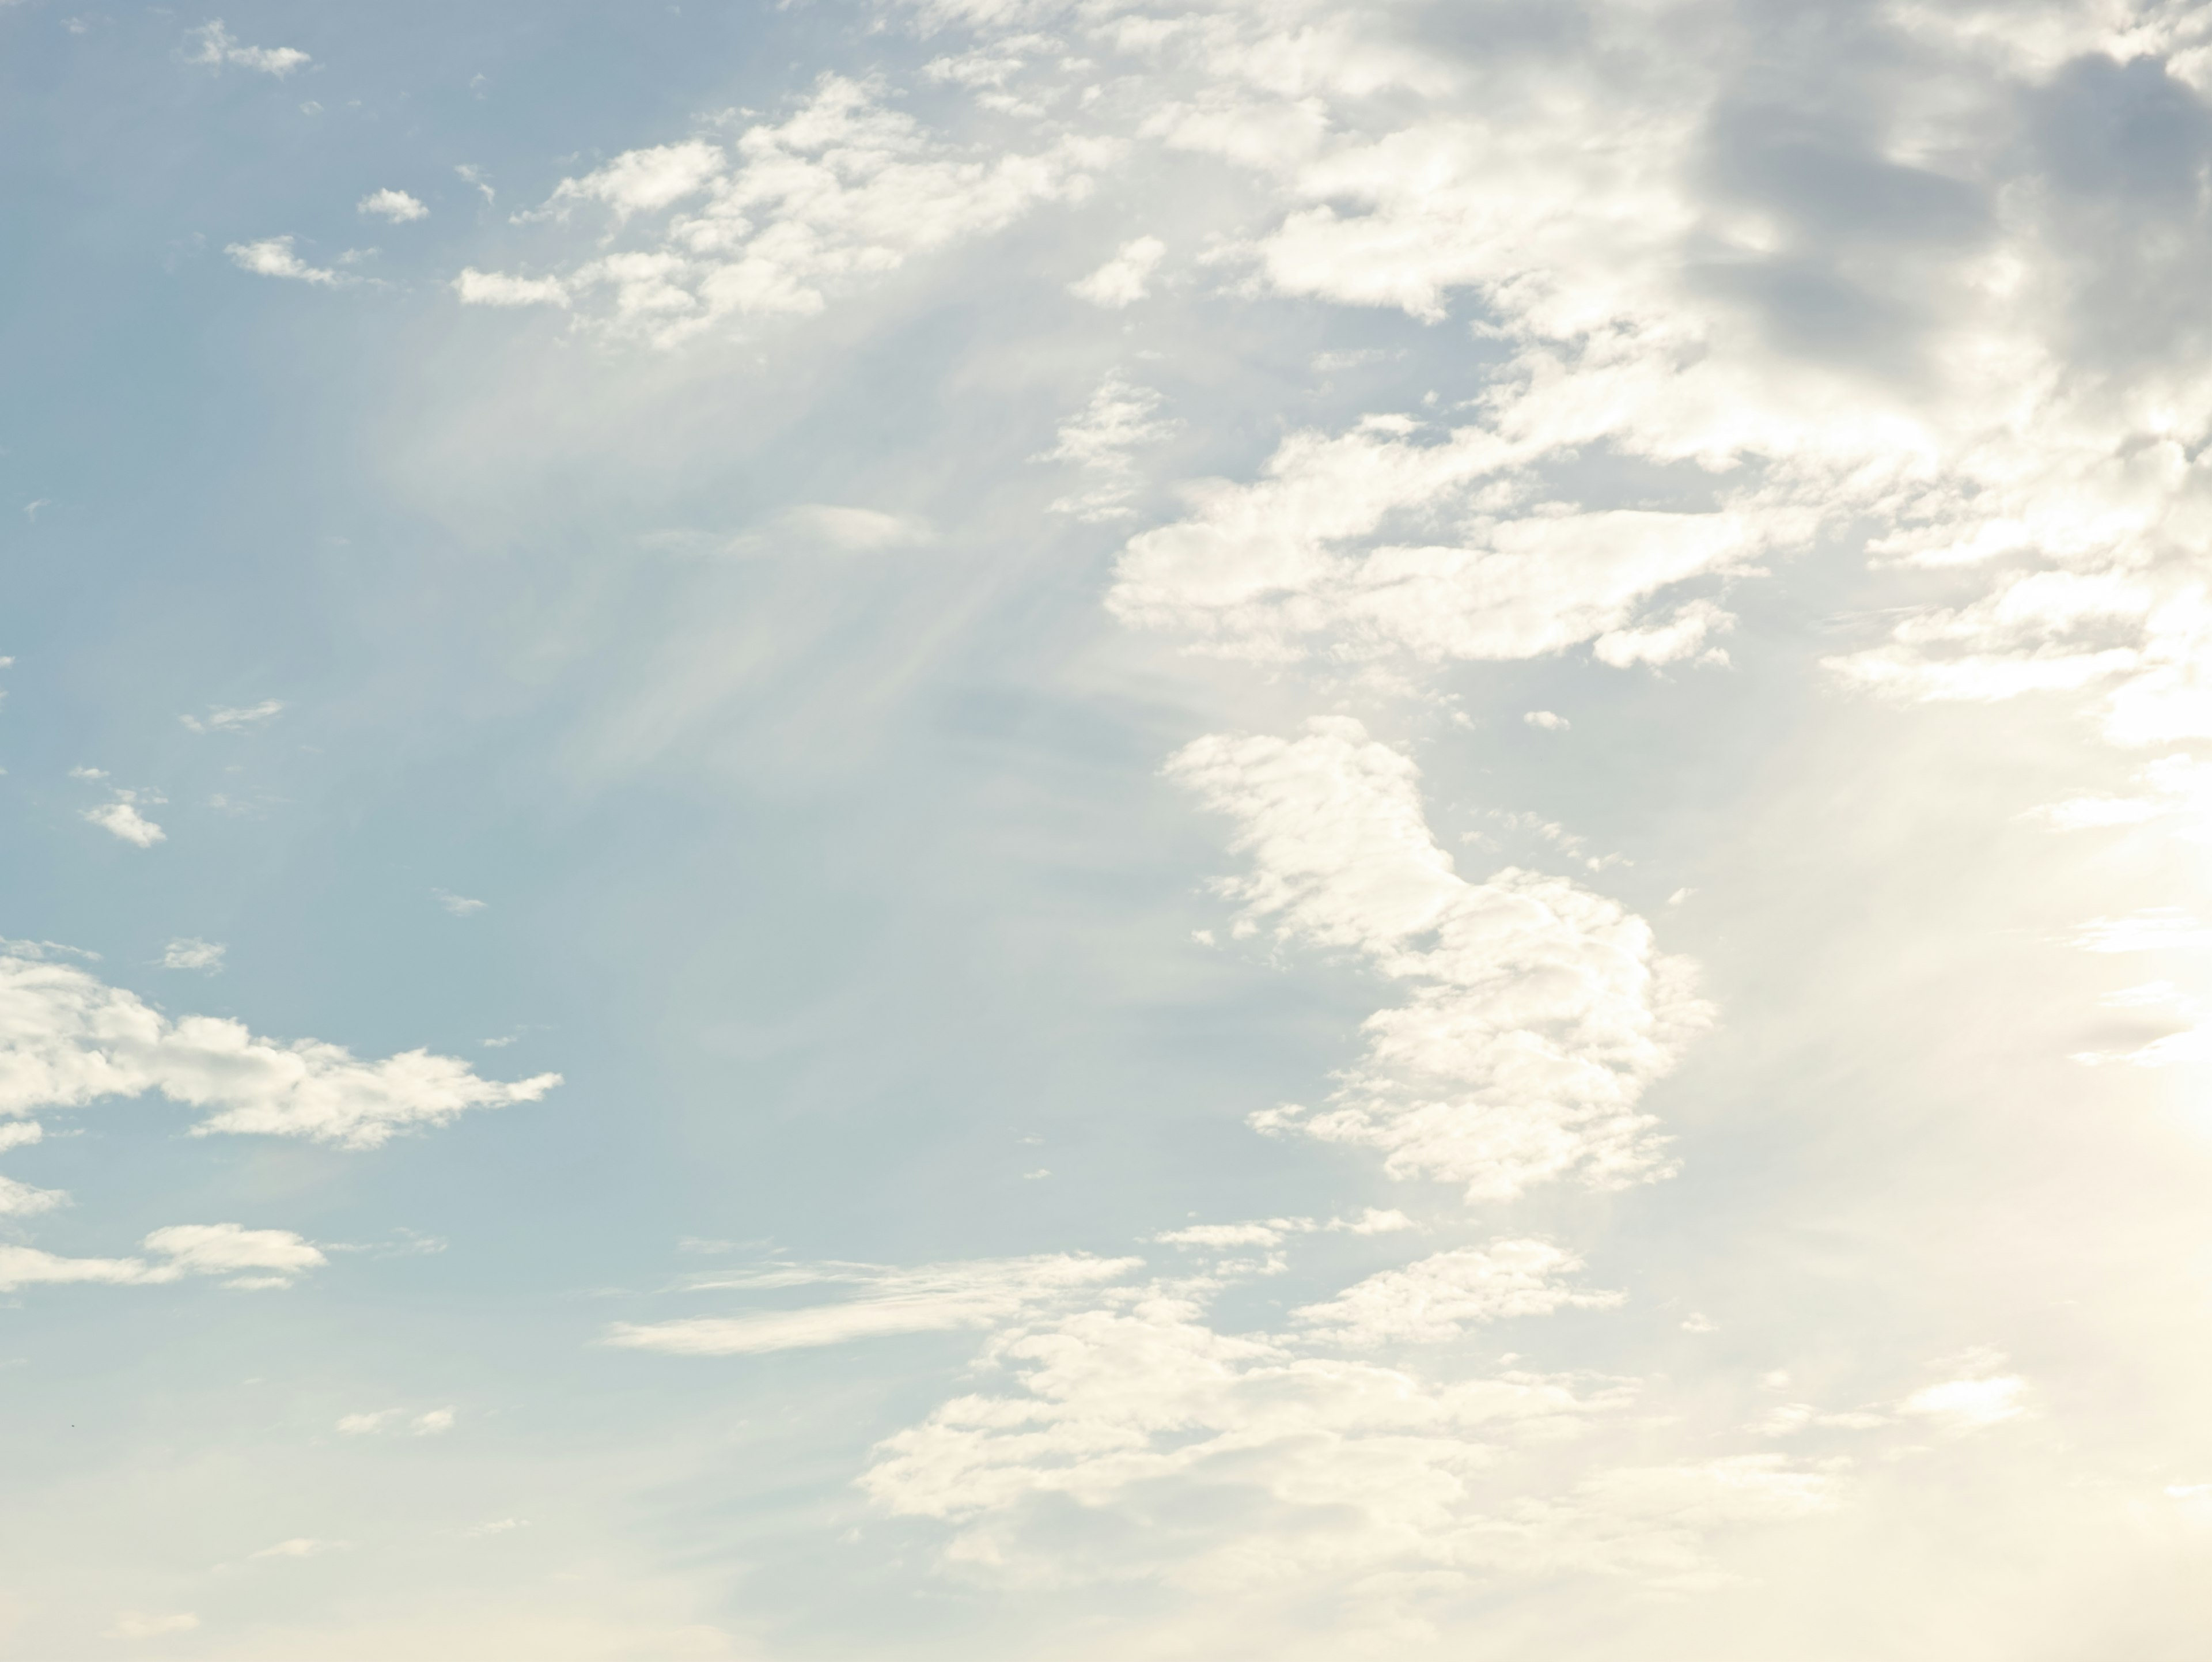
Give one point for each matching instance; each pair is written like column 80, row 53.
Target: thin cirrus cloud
column 224, row 718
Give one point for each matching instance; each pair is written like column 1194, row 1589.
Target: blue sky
column 1270, row 829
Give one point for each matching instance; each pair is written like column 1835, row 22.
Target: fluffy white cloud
column 1540, row 1011
column 276, row 257
column 1295, row 563
column 1126, row 278
column 122, row 818
column 397, row 206
column 1440, row 1296
column 783, row 215
column 935, row 1297
column 252, row 1258
column 67, row 1038
column 215, row 45
column 1221, row 1462
column 187, row 953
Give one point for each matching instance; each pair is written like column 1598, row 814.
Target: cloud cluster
column 777, row 221
column 1322, row 1471
column 1540, row 1011
column 68, row 1038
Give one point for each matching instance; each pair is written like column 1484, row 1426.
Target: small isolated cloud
column 224, row 718
column 1124, row 279
column 458, row 905
column 1972, row 1403
column 497, row 1526
column 1698, row 1322
column 30, row 509
column 133, row 1625
column 122, row 817
column 1548, row 721
column 427, row 1424
column 475, row 175
column 397, row 206
column 189, row 953
column 302, row 1546
column 275, row 256
column 503, row 289
column 216, row 46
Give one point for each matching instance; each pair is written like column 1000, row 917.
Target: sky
column 946, row 829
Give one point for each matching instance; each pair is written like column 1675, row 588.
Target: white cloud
column 458, row 905
column 1232, row 1462
column 66, row 1040
column 783, row 216
column 1969, row 1404
column 1276, row 571
column 223, row 718
column 1440, row 1296
column 133, row 1625
column 187, row 953
column 1540, row 1012
column 180, row 1250
column 1124, row 279
column 122, row 820
column 499, row 289
column 1547, row 719
column 933, row 1298
column 301, row 1546
column 1102, row 440
column 215, row 45
column 397, row 206
column 276, row 257
column 431, row 1423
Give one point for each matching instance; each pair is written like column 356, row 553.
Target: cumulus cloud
column 1125, row 279
column 1540, row 1013
column 215, row 45
column 1328, row 1470
column 122, row 818
column 458, row 905
column 252, row 1259
column 276, row 257
column 776, row 221
column 397, row 206
column 1294, row 563
column 67, row 1038
column 188, row 953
